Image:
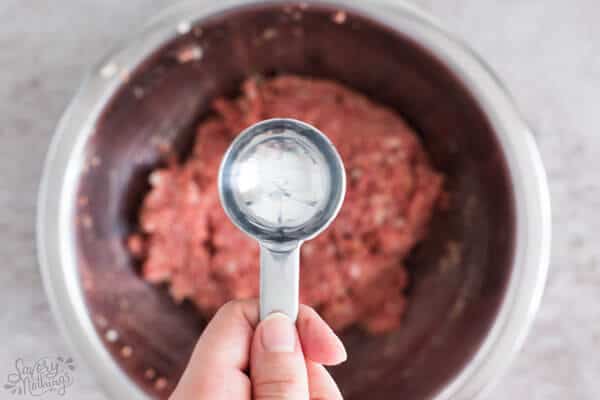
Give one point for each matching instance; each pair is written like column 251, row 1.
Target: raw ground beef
column 353, row 273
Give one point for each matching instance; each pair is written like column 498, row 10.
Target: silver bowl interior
column 459, row 274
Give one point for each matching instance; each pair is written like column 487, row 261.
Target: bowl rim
column 65, row 158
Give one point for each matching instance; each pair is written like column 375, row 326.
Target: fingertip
column 277, row 333
column 319, row 341
column 237, row 309
column 227, row 337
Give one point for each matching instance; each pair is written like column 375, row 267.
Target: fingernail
column 343, row 354
column 278, row 333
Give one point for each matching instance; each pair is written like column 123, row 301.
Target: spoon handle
column 279, row 281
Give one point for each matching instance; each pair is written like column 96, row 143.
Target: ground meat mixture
column 353, row 273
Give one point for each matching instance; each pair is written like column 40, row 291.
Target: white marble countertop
column 546, row 51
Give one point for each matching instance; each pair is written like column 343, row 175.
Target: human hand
column 284, row 361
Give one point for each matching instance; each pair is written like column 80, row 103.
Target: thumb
column 277, row 366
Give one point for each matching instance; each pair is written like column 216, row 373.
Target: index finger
column 216, row 368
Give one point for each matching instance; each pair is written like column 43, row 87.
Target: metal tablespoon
column 282, row 182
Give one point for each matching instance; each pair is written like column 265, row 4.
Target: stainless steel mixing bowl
column 477, row 279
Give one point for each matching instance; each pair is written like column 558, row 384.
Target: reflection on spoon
column 309, row 203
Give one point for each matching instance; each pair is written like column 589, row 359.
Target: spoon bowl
column 282, row 180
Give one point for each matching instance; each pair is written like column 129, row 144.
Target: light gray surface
column 547, row 53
